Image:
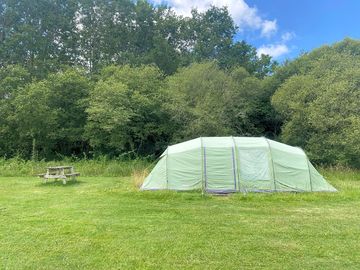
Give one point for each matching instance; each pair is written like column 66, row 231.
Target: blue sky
column 283, row 28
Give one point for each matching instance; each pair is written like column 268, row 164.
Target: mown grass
column 106, row 223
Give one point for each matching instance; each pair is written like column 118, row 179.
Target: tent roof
column 222, row 142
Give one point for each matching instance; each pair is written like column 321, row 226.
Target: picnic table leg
column 45, row 176
column 72, row 171
column 62, row 173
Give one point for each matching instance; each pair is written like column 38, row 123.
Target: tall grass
column 87, row 167
column 138, row 176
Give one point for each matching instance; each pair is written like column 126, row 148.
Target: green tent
column 235, row 164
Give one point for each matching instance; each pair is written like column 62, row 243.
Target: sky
column 285, row 28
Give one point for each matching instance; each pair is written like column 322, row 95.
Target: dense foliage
column 320, row 103
column 44, row 35
column 104, row 77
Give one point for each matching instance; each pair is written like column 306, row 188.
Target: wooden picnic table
column 59, row 172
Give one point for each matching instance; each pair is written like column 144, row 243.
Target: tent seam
column 307, row 159
column 205, row 175
column 307, row 163
column 234, row 167
column 202, row 165
column 166, row 165
column 237, row 163
column 272, row 163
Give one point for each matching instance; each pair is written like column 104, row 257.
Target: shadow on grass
column 59, row 183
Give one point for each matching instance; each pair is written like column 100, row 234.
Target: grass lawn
column 105, row 223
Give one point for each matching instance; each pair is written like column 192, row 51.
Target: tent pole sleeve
column 272, row 163
column 205, row 176
column 311, row 187
column 202, row 166
column 307, row 163
column 167, row 170
column 236, row 164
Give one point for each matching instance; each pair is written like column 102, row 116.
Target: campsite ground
column 106, row 223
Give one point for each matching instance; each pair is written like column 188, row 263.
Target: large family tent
column 235, row 164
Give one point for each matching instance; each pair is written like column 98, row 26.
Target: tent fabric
column 235, row 164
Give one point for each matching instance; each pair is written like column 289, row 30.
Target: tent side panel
column 254, row 164
column 291, row 168
column 185, row 170
column 220, row 170
column 318, row 181
column 255, row 171
column 157, row 178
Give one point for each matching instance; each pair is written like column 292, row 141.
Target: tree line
column 44, row 35
column 111, row 78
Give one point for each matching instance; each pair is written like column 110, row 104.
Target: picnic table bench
column 59, row 172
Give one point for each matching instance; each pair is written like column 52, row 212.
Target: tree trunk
column 33, row 152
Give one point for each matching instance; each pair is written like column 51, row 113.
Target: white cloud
column 245, row 17
column 268, row 28
column 279, row 48
column 274, row 50
column 287, row 36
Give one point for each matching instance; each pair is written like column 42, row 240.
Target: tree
column 249, row 111
column 241, row 54
column 46, row 35
column 320, row 105
column 213, row 32
column 34, row 119
column 38, row 35
column 125, row 111
column 12, row 79
column 44, row 117
column 69, row 90
column 197, row 96
column 205, row 100
column 108, row 117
